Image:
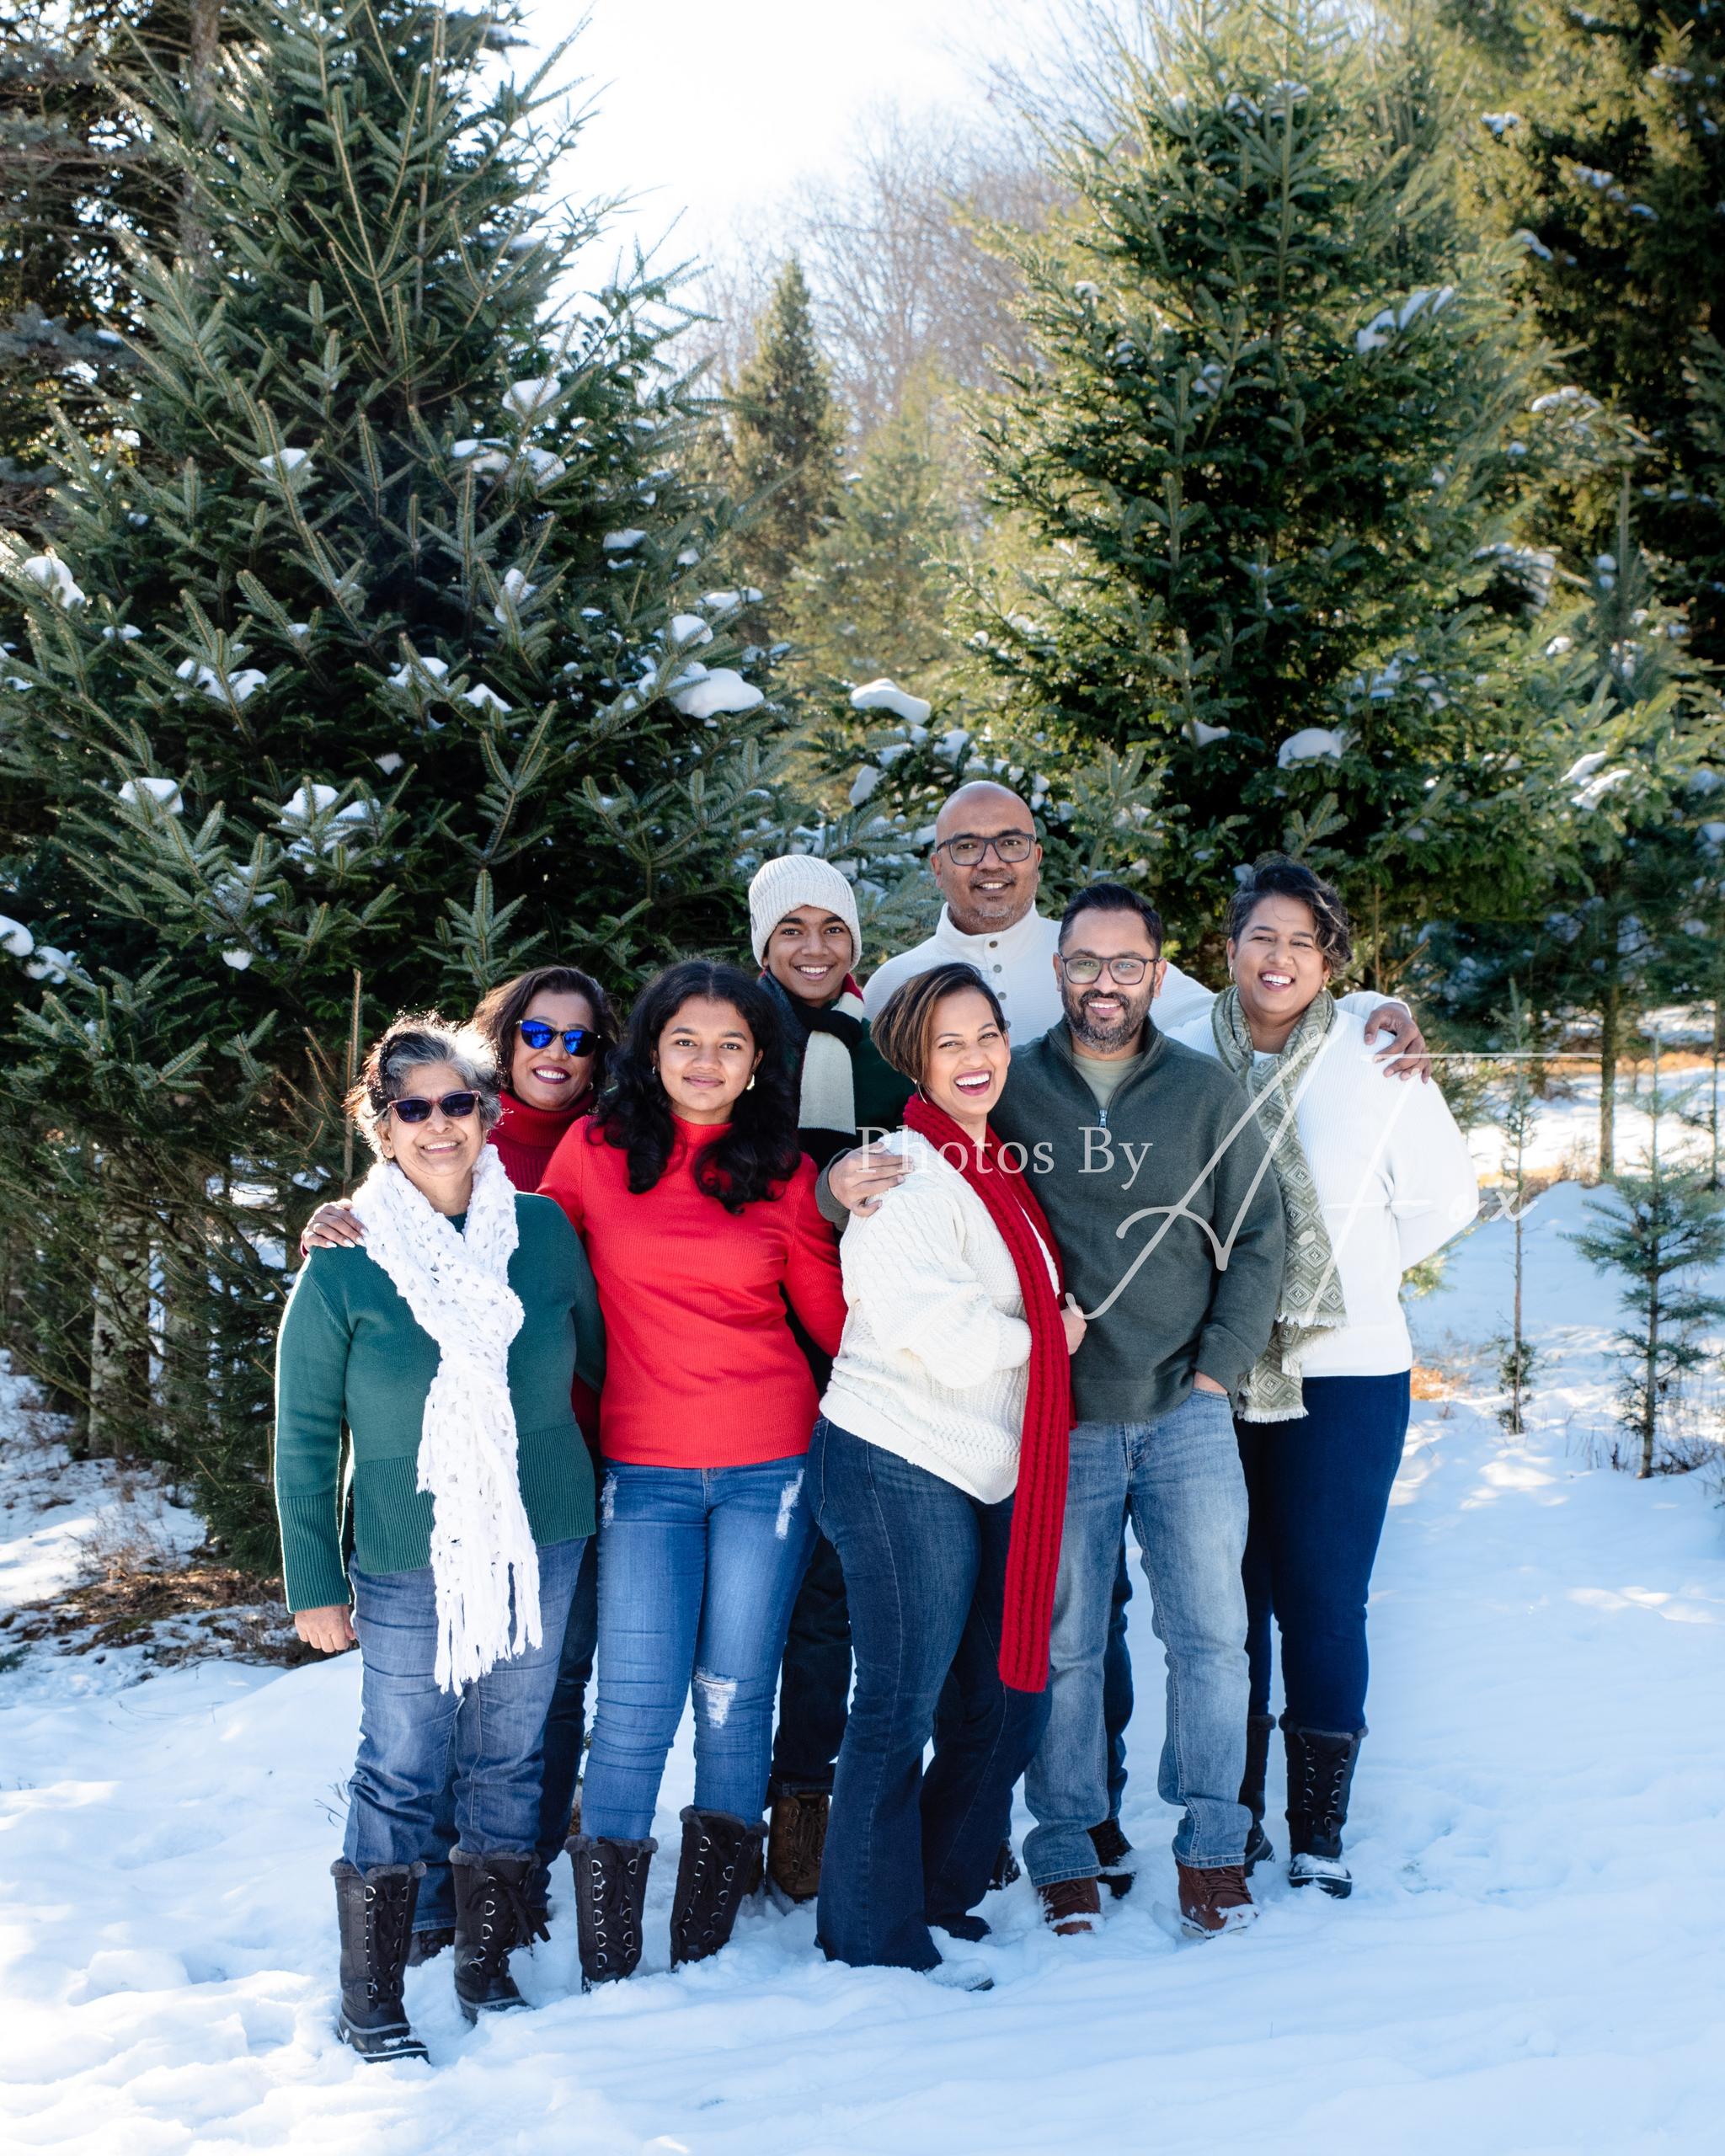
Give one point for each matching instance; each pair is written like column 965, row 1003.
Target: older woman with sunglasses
column 549, row 1029
column 447, row 1344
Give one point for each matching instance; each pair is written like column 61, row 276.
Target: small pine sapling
column 1660, row 1230
column 1516, row 1118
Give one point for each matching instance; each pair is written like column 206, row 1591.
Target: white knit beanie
column 800, row 879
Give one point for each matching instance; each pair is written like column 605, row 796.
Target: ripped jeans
column 697, row 1570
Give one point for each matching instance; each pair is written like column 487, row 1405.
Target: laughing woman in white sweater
column 1374, row 1176
column 938, row 1469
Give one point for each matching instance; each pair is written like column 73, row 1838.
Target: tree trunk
column 1713, row 1100
column 1650, row 1401
column 120, row 1337
column 1610, row 1025
column 203, row 55
column 1515, row 1340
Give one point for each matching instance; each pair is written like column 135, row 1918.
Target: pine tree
column 1278, row 451
column 1637, row 761
column 785, row 439
column 366, row 675
column 1661, row 1230
column 870, row 595
column 1609, row 168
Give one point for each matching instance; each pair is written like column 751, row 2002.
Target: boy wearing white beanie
column 807, row 939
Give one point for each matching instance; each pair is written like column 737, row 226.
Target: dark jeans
column 814, row 1684
column 697, row 1570
column 566, row 1724
column 436, row 1767
column 1319, row 1488
column 1117, row 1684
column 924, row 1566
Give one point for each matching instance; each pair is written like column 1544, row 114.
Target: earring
column 750, row 1087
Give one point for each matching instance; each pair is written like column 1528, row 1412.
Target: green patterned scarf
column 1312, row 1288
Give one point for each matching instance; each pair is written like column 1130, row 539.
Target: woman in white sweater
column 938, row 1470
column 1374, row 1178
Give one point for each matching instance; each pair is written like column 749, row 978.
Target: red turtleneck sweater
column 527, row 1138
column 702, row 1368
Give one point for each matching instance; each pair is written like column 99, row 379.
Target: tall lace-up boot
column 493, row 1914
column 611, row 1892
column 1320, row 1775
column 719, row 1858
column 373, row 1913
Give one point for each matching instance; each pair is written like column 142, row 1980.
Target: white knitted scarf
column 484, row 1566
column 828, row 1098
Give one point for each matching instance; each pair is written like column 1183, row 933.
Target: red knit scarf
column 526, row 1137
column 1039, row 1508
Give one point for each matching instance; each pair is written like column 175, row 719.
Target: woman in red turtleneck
column 551, row 1027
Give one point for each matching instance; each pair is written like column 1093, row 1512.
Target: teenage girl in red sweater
column 689, row 1189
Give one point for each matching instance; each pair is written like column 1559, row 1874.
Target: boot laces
column 507, row 1919
column 386, row 1937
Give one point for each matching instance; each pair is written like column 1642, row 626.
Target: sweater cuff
column 312, row 1575
column 834, row 1214
column 1223, row 1356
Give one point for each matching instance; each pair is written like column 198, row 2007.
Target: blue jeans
column 698, row 1568
column 925, row 1567
column 1182, row 1479
column 437, row 1766
column 566, row 1723
column 1320, row 1488
column 815, row 1685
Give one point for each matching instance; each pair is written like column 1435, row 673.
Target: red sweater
column 525, row 1138
column 702, row 1368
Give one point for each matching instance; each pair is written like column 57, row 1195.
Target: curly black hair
column 759, row 1152
column 1275, row 877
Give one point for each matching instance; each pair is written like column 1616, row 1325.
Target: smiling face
column 437, row 1156
column 809, row 954
column 1106, row 1015
column 968, row 1057
column 1277, row 966
column 707, row 1055
column 550, row 1077
column 988, row 895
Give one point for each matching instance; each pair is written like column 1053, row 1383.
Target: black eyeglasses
column 1009, row 846
column 577, row 1040
column 1127, row 971
column 411, row 1108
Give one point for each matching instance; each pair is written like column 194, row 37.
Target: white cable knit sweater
column 934, row 1361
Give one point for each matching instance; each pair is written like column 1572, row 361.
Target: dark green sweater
column 351, row 1351
column 1152, row 1147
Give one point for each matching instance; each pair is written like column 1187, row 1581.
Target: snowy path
column 1531, row 1963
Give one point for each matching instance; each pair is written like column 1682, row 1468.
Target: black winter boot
column 1260, row 1848
column 374, row 1912
column 719, row 1859
column 493, row 1914
column 1320, row 1774
column 610, row 1890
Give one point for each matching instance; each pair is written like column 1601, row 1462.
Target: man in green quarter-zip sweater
column 1149, row 1167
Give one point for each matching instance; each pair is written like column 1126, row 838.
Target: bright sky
column 710, row 109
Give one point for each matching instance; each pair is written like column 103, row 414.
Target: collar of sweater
column 1056, row 1044
column 529, row 1126
column 697, row 1134
column 1028, row 939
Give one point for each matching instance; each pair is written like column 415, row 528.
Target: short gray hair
column 413, row 1041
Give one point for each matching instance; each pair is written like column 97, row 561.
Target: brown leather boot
column 1071, row 1907
column 1214, row 1898
column 795, row 1840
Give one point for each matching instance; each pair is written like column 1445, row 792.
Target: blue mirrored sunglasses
column 577, row 1040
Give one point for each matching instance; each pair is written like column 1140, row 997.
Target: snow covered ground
column 1530, row 1962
